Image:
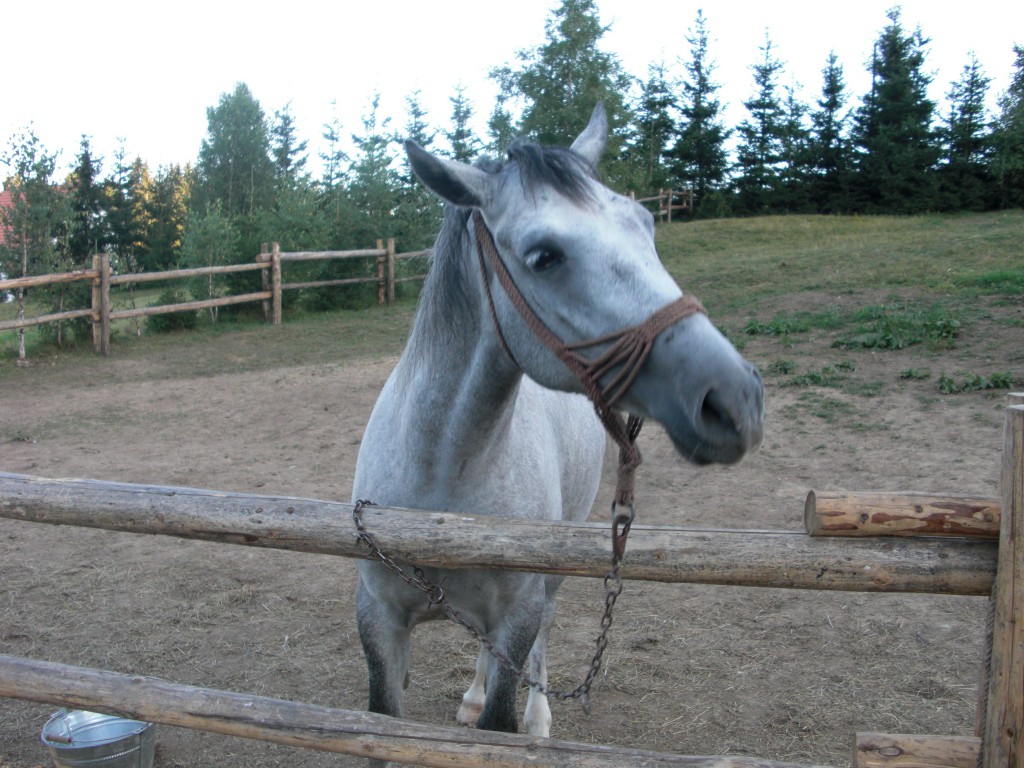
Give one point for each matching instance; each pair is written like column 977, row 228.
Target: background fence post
column 382, row 289
column 96, row 304
column 105, row 304
column 1003, row 738
column 275, row 281
column 391, row 270
column 263, row 257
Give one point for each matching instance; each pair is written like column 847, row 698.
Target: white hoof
column 537, row 718
column 469, row 712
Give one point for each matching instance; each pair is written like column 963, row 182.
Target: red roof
column 6, row 201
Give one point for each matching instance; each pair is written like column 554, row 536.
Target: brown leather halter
column 627, row 352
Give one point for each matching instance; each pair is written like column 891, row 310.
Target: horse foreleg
column 537, row 718
column 473, row 699
column 385, row 641
column 514, row 639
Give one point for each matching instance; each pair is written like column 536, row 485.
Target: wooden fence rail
column 780, row 559
column 268, row 262
column 316, row 727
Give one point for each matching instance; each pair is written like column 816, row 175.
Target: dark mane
column 558, row 168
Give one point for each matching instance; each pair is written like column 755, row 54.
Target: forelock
column 556, row 168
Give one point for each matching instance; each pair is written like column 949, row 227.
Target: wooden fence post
column 1003, row 737
column 96, row 304
column 391, row 270
column 105, row 304
column 263, row 257
column 275, row 281
column 668, row 206
column 382, row 288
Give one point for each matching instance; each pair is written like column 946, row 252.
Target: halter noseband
column 628, row 350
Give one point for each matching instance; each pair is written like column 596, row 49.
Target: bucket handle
column 60, row 738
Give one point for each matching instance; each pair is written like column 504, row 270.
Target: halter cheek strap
column 628, row 350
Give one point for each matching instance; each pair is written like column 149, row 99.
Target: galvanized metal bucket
column 80, row 739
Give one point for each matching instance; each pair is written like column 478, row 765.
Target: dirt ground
column 787, row 675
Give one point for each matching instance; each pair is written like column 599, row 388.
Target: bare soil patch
column 786, row 675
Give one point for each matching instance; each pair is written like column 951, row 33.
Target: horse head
column 583, row 259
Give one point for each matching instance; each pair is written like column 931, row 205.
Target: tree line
column 894, row 151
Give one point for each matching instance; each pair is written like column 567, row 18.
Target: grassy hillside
column 737, row 262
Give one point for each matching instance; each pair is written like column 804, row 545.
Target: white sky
column 146, row 72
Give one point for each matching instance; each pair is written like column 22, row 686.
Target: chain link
column 621, row 522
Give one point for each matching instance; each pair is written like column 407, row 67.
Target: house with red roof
column 6, row 201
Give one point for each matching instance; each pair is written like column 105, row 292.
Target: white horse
column 480, row 417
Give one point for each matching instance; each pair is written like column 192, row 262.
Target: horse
column 478, row 417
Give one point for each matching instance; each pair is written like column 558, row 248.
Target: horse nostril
column 715, row 415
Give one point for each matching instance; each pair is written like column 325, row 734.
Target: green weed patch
column 974, row 383
column 897, row 326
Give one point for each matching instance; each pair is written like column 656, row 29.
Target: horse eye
column 542, row 260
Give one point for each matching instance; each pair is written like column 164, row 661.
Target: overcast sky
column 147, row 72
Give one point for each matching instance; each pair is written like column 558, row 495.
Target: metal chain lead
column 621, row 522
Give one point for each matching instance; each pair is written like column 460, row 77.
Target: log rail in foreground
column 735, row 558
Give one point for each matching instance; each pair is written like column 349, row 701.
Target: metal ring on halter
column 621, row 522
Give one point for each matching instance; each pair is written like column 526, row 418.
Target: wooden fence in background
column 668, row 200
column 269, row 262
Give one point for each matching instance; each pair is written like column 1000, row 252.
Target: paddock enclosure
column 779, row 674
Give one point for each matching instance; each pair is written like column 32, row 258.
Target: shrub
column 174, row 321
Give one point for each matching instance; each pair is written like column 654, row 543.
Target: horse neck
column 454, row 367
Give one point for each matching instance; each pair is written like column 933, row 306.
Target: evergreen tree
column 559, row 83
column 335, row 200
column 130, row 213
column 87, row 234
column 794, row 176
column 654, row 129
column 829, row 153
column 1008, row 138
column 897, row 150
column 418, row 212
column 234, row 164
column 171, row 193
column 759, row 155
column 964, row 178
column 288, row 152
column 375, row 183
column 698, row 159
column 500, row 126
column 464, row 144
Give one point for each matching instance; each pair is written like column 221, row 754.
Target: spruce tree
column 964, row 178
column 829, row 153
column 462, row 142
column 1008, row 139
column 655, row 128
column 559, row 82
column 418, row 212
column 87, row 234
column 171, row 191
column 759, row 155
column 288, row 152
column 794, row 175
column 897, row 149
column 698, row 159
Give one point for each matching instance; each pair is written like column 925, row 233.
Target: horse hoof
column 469, row 712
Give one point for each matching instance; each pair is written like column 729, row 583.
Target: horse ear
column 591, row 142
column 450, row 180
